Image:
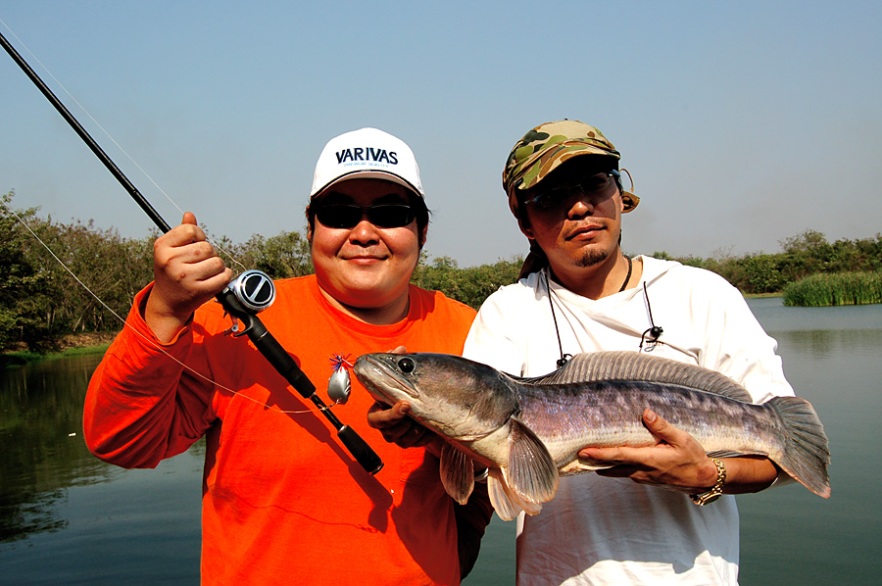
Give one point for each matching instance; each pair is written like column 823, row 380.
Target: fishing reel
column 254, row 290
column 245, row 297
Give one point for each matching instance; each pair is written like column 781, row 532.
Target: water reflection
column 820, row 344
column 66, row 517
column 43, row 451
column 831, row 357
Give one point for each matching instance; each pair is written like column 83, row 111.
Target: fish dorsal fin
column 505, row 502
column 531, row 472
column 638, row 366
column 457, row 473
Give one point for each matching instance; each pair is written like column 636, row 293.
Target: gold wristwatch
column 716, row 490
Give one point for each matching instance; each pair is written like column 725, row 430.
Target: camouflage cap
column 547, row 146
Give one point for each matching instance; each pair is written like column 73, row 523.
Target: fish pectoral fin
column 457, row 473
column 506, row 503
column 531, row 472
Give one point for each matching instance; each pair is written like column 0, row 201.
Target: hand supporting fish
column 529, row 431
column 678, row 462
column 396, row 427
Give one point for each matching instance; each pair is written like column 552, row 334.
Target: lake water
column 66, row 518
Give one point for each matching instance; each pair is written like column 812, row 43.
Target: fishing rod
column 250, row 293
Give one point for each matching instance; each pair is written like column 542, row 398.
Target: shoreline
column 68, row 345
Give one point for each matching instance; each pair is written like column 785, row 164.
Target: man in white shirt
column 643, row 521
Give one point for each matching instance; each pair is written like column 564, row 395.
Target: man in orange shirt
column 283, row 502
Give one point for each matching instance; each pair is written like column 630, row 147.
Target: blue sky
column 743, row 123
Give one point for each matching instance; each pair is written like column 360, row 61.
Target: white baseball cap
column 366, row 153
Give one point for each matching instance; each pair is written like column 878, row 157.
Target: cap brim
column 542, row 163
column 368, row 174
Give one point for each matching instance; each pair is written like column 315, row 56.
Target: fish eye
column 406, row 365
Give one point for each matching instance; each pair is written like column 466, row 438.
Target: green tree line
column 41, row 301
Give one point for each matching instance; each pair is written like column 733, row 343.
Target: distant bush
column 823, row 290
column 41, row 302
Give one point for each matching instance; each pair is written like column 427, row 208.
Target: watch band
column 716, row 490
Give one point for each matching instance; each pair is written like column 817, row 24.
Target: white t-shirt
column 600, row 530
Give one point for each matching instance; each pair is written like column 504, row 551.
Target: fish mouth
column 381, row 380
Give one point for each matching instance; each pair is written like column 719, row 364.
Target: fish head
column 455, row 397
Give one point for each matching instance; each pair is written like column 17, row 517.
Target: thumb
column 658, row 426
column 189, row 218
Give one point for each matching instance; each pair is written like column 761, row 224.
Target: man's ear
column 308, row 224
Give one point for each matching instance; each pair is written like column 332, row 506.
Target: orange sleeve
column 139, row 407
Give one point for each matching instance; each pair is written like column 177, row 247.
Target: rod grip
column 360, row 450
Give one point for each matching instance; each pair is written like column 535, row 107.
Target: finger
column 179, row 236
column 192, row 270
column 396, row 427
column 203, row 265
column 213, row 281
column 610, row 456
column 382, row 416
column 620, row 456
column 662, row 430
column 187, row 232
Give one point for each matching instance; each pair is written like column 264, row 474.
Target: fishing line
column 161, row 190
column 135, row 330
column 242, row 299
column 110, row 137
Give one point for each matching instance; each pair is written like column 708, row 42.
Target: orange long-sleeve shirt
column 283, row 501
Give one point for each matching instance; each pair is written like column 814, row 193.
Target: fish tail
column 806, row 452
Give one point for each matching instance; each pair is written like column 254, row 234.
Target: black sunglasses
column 598, row 185
column 381, row 216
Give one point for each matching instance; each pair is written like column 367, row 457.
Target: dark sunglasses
column 599, row 185
column 381, row 216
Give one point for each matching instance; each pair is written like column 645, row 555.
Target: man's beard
column 593, row 257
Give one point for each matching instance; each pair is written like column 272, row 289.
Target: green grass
column 101, row 349
column 22, row 357
column 826, row 290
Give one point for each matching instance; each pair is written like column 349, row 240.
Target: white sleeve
column 490, row 340
column 738, row 347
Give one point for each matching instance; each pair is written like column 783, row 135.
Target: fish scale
column 604, row 414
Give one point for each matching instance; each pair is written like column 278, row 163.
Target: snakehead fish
column 528, row 431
